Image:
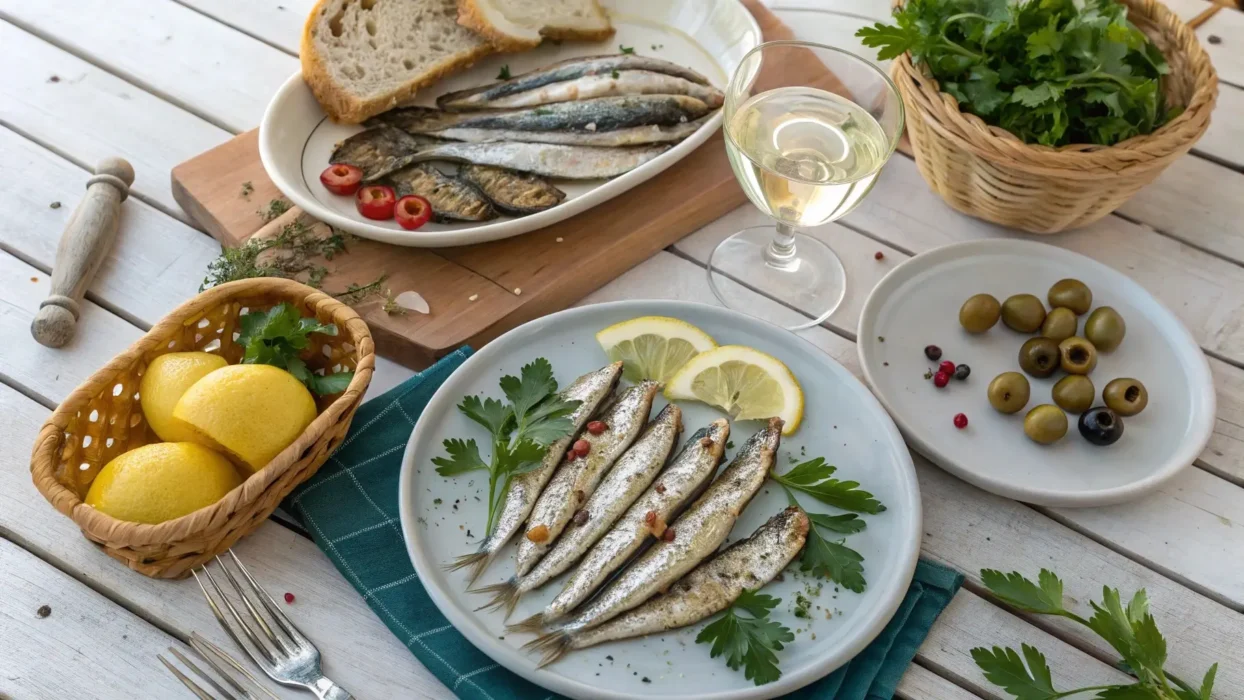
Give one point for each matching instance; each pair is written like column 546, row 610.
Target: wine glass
column 807, row 129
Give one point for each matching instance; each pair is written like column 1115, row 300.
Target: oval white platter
column 296, row 138
column 917, row 304
column 842, row 422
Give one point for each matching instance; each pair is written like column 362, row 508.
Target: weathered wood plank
column 919, row 683
column 275, row 22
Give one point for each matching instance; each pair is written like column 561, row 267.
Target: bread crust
column 343, row 106
column 471, row 17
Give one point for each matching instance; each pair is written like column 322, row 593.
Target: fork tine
column 194, row 688
column 281, row 619
column 263, row 624
column 202, row 674
column 263, row 651
column 201, row 646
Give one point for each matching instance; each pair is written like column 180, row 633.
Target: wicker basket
column 987, row 172
column 102, row 418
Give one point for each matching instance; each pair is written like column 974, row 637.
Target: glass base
column 747, row 275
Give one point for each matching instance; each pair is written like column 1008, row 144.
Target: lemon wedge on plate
column 744, row 382
column 653, row 347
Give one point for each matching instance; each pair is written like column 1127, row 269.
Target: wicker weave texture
column 103, row 418
column 987, row 172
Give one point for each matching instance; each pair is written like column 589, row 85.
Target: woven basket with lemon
column 190, row 438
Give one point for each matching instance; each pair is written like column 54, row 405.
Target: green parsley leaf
column 626, row 49
column 1045, row 598
column 813, row 478
column 833, row 560
column 1207, row 685
column 463, row 457
column 1135, row 691
column 504, row 74
column 1005, row 668
column 277, row 336
column 748, row 641
column 847, row 524
column 329, row 384
column 490, row 413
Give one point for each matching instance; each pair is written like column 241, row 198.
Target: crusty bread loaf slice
column 362, row 57
column 514, row 25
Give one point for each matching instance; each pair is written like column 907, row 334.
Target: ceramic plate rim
column 892, row 596
column 1184, row 457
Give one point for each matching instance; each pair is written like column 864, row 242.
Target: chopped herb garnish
column 391, row 307
column 247, row 189
column 614, row 75
column 626, row 49
column 275, row 208
column 749, row 640
column 504, row 74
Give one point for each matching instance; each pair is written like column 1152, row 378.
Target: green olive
column 1078, row 356
column 979, row 313
column 1104, row 327
column 1008, row 392
column 1045, row 424
column 1060, row 324
column 1126, row 397
column 1023, row 313
column 1039, row 357
column 1074, row 393
column 1071, row 294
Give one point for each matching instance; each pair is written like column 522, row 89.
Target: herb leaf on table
column 749, row 641
column 277, row 336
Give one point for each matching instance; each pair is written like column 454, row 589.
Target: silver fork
column 210, row 653
column 288, row 657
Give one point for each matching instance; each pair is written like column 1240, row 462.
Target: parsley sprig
column 520, row 430
column 749, row 641
column 1052, row 72
column 278, row 336
column 1130, row 629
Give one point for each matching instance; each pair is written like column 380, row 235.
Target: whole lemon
column 250, row 411
column 166, row 379
column 162, row 481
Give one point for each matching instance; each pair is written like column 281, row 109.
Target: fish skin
column 591, row 390
column 628, row 82
column 378, row 151
column 624, row 483
column 681, row 482
column 599, row 114
column 561, row 496
column 698, row 533
column 562, row 71
column 632, row 136
column 548, row 160
column 512, row 192
column 712, row 586
column 452, row 199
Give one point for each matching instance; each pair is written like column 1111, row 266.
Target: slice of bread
column 514, row 25
column 363, row 57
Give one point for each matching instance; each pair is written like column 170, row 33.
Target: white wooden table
column 158, row 81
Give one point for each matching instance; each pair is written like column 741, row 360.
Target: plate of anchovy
column 519, row 140
column 697, row 504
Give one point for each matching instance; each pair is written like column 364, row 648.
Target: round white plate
column 842, row 422
column 917, row 304
column 296, row 138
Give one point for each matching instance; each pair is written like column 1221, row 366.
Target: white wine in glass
column 807, row 128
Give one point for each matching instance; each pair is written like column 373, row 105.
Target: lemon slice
column 653, row 347
column 744, row 382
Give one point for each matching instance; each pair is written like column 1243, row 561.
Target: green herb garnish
column 626, row 49
column 1052, row 72
column 275, row 208
column 614, row 74
column 520, row 431
column 749, row 641
column 247, row 189
column 1130, row 629
column 504, row 74
column 813, row 477
column 277, row 337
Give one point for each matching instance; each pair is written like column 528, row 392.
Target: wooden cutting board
column 476, row 293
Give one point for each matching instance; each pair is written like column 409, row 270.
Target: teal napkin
column 350, row 508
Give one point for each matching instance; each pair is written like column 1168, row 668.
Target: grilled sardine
column 576, row 479
column 633, row 472
column 590, row 390
column 562, row 72
column 452, row 199
column 697, row 534
column 613, row 84
column 600, row 114
column 710, row 588
column 377, row 151
column 512, row 192
column 549, row 160
column 676, row 486
column 633, row 136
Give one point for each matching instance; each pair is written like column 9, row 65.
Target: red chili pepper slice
column 376, row 202
column 412, row 211
column 341, row 178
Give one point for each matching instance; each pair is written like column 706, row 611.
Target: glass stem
column 781, row 250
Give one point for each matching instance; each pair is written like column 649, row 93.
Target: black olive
column 1101, row 426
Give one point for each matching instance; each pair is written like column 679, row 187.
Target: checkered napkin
column 350, row 508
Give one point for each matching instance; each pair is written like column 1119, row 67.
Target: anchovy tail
column 476, row 562
column 553, row 645
column 505, row 595
column 532, row 625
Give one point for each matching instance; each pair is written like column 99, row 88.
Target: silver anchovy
column 683, row 480
column 633, row 136
column 549, row 160
column 600, row 114
column 576, row 479
column 562, row 71
column 697, row 534
column 590, row 390
column 378, row 151
column 614, row 84
column 452, row 199
column 710, row 588
column 513, row 192
column 628, row 478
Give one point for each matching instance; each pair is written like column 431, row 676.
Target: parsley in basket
column 277, row 336
column 1052, row 72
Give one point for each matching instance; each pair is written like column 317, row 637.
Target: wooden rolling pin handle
column 83, row 246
